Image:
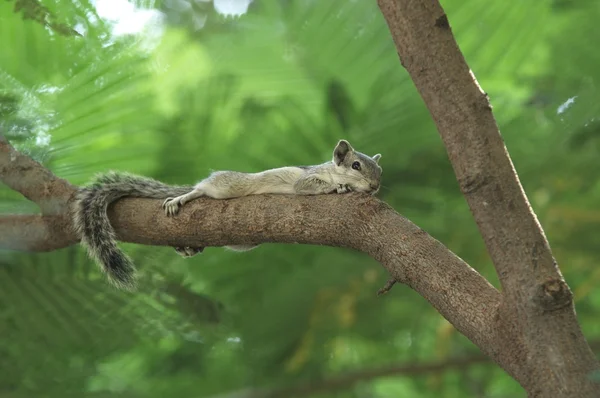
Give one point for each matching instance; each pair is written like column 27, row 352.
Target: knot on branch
column 442, row 22
column 473, row 182
column 553, row 294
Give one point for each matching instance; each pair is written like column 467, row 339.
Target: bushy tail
column 93, row 226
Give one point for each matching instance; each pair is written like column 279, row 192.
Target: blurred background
column 174, row 89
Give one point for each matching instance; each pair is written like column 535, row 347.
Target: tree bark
column 24, row 175
column 543, row 346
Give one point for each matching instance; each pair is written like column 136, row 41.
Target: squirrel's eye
column 356, row 165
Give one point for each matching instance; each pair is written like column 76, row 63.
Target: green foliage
column 277, row 86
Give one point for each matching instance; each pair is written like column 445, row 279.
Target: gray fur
column 98, row 236
column 93, row 226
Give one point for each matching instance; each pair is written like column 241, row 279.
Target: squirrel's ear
column 341, row 150
column 377, row 157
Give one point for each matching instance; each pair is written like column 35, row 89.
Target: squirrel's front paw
column 171, row 206
column 343, row 188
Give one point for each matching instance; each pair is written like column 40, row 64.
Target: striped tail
column 93, row 226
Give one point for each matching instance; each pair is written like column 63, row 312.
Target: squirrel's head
column 362, row 171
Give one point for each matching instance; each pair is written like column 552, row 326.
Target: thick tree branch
column 463, row 115
column 355, row 221
column 34, row 233
column 26, row 176
column 538, row 306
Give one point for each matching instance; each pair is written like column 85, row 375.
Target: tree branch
column 34, row 233
column 355, row 221
column 483, row 168
column 26, row 176
column 538, row 308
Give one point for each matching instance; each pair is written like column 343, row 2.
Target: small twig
column 386, row 288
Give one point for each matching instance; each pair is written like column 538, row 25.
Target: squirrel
column 348, row 171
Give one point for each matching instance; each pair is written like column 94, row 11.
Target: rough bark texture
column 26, row 176
column 530, row 329
column 543, row 347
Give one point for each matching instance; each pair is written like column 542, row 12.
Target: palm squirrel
column 348, row 171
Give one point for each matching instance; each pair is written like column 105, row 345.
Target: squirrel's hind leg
column 217, row 186
column 188, row 251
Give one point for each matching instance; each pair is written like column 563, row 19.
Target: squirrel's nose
column 374, row 186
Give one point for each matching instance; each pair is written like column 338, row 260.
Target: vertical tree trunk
column 539, row 340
